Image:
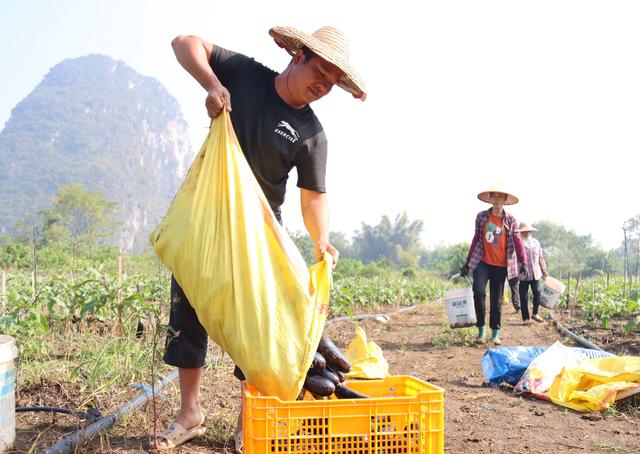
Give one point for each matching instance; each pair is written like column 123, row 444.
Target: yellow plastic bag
column 366, row 358
column 244, row 276
column 596, row 383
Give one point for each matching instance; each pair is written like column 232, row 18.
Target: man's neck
column 282, row 89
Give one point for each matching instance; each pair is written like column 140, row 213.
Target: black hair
column 308, row 53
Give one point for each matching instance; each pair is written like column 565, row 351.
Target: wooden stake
column 34, row 276
column 637, row 258
column 118, row 327
column 575, row 294
column 3, row 290
column 119, row 269
column 625, row 263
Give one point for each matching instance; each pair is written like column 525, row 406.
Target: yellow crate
column 404, row 415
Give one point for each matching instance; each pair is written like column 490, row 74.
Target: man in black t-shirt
column 277, row 131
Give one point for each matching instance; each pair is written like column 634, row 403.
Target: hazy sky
column 543, row 96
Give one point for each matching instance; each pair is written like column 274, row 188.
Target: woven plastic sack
column 507, row 364
column 542, row 371
column 596, row 383
column 243, row 275
column 366, row 358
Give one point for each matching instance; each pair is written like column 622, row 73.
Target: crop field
column 94, row 338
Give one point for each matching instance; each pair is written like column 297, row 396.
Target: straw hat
column 485, row 196
column 524, row 227
column 328, row 43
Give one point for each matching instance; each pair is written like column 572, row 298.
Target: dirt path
column 481, row 419
column 477, row 419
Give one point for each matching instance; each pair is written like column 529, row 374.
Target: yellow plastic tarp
column 246, row 280
column 366, row 358
column 596, row 383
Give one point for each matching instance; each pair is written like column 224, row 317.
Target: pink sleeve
column 543, row 263
column 517, row 241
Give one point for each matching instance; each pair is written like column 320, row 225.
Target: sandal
column 176, row 435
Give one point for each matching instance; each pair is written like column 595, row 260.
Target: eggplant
column 326, row 373
column 340, row 375
column 319, row 385
column 318, row 361
column 344, row 392
column 333, row 355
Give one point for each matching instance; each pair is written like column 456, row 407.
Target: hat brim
column 528, row 229
column 292, row 39
column 485, row 196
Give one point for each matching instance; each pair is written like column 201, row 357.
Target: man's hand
column 218, row 98
column 464, row 270
column 545, row 275
column 321, row 247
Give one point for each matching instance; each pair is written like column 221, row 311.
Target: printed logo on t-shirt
column 493, row 234
column 286, row 130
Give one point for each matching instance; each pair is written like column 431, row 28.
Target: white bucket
column 460, row 308
column 551, row 291
column 8, row 352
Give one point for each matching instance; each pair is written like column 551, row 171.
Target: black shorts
column 187, row 339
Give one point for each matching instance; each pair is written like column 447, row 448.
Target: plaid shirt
column 537, row 265
column 515, row 248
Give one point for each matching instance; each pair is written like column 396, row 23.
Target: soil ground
column 478, row 419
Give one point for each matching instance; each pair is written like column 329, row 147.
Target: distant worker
column 496, row 253
column 536, row 269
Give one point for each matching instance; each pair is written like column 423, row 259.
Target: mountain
column 95, row 121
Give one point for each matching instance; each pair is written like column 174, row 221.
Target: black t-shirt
column 274, row 136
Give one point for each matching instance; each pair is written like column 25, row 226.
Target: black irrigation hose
column 91, row 415
column 575, row 337
column 363, row 316
column 102, row 425
column 581, row 340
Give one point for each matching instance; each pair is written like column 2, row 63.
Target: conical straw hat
column 485, row 196
column 525, row 227
column 328, row 43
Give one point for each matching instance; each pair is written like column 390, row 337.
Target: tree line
column 78, row 227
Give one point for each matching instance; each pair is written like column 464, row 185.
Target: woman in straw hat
column 536, row 269
column 277, row 130
column 493, row 256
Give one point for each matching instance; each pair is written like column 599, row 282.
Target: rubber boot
column 482, row 337
column 495, row 336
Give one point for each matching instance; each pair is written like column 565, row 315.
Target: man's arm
column 194, row 53
column 315, row 213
